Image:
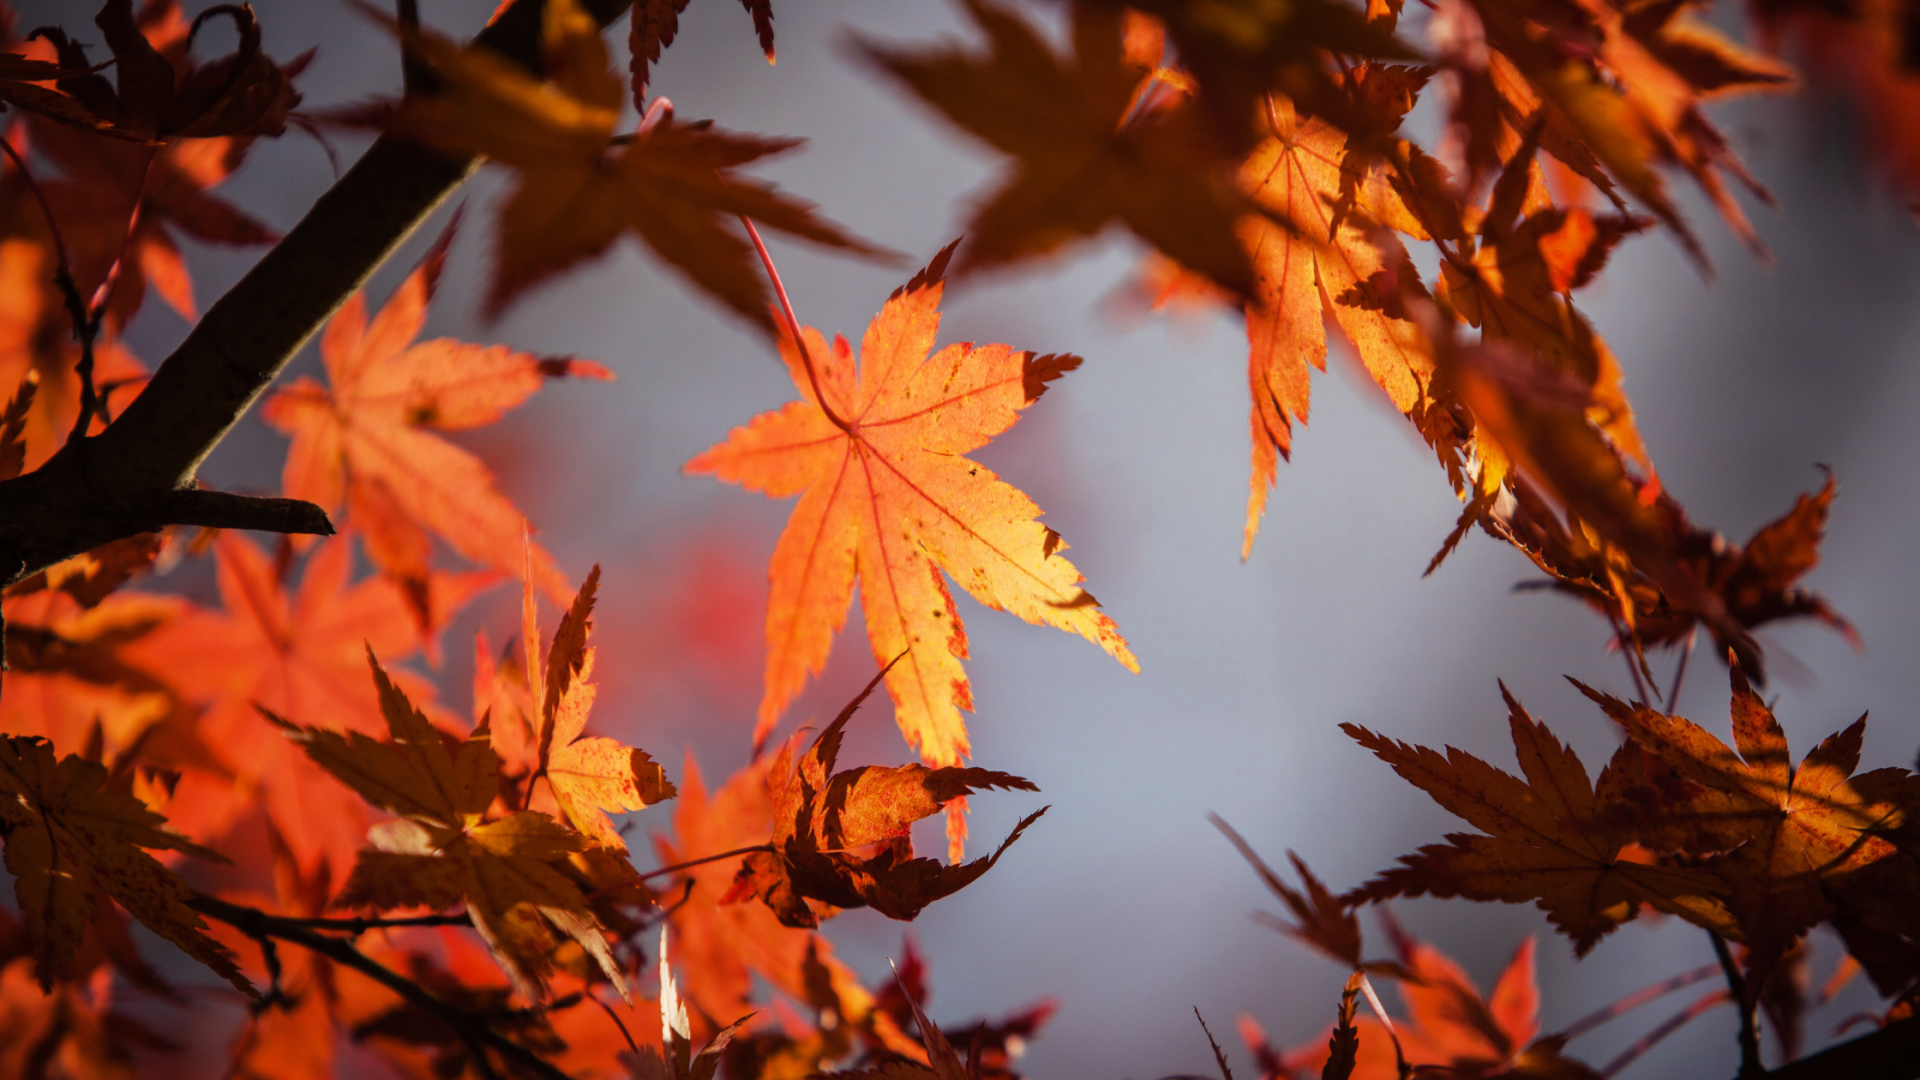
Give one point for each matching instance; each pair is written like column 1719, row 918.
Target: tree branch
column 1744, row 999
column 1891, row 1053
column 121, row 482
column 476, row 1030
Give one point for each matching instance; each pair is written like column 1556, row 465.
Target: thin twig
column 1627, row 653
column 104, row 292
column 1667, row 1027
column 1737, row 986
column 617, row 1022
column 1680, row 673
column 46, row 208
column 475, row 1030
column 356, row 927
column 276, row 994
column 665, row 870
column 87, row 320
column 86, row 323
column 1638, row 998
column 667, row 912
column 793, row 324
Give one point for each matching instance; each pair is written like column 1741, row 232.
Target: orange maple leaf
column 301, row 655
column 36, row 339
column 875, row 449
column 121, row 205
column 589, row 776
column 366, row 437
column 1627, row 96
column 722, row 947
column 1450, row 1030
column 66, row 677
column 1322, row 249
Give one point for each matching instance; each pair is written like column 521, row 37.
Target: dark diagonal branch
column 127, row 479
column 473, row 1028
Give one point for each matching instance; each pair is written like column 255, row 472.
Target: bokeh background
column 1124, row 903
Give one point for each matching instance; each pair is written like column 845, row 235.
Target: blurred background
column 1124, row 902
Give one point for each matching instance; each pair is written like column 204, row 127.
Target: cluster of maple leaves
column 498, row 921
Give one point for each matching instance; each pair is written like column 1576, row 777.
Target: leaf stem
column 358, row 926
column 1667, row 1027
column 665, row 870
column 1629, row 646
column 85, row 319
column 793, row 325
column 46, row 209
column 1680, row 673
column 1638, row 998
column 473, row 1028
column 1737, row 986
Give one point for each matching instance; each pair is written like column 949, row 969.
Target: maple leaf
column 654, row 24
column 1547, row 839
column 1788, row 830
column 69, row 839
column 722, row 947
column 577, row 190
column 21, row 79
column 162, row 93
column 942, row 1062
column 1861, row 54
column 1538, row 418
column 675, row 1059
column 36, row 337
column 992, row 1045
column 13, row 428
column 821, row 819
column 68, row 1028
column 121, row 206
column 1450, row 1030
column 1322, row 249
column 299, row 655
column 1239, row 51
column 67, row 679
column 366, row 437
column 1324, row 923
column 588, row 776
column 875, row 452
column 442, row 850
column 1628, row 95
column 1756, row 581
column 1514, row 287
column 92, row 576
column 1086, row 155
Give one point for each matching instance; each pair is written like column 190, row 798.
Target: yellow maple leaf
column 875, row 451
